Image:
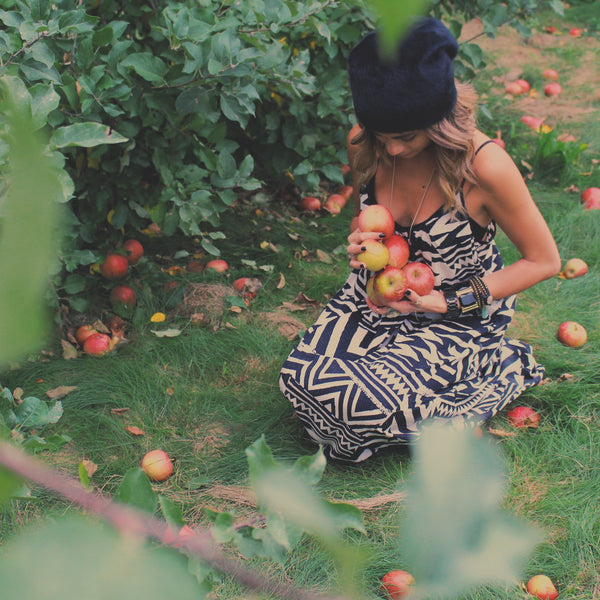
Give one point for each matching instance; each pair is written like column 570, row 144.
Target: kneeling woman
column 366, row 376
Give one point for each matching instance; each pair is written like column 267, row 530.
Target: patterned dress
column 360, row 381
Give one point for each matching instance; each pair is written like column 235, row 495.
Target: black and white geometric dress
column 360, row 381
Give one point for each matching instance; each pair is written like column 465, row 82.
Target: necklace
column 420, row 201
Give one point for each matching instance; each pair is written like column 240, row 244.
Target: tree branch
column 130, row 520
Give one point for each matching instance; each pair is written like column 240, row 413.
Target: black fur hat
column 411, row 91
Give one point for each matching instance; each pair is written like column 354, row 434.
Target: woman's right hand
column 355, row 245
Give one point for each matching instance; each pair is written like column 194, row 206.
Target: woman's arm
column 502, row 194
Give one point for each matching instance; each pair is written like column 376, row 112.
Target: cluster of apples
column 519, row 87
column 116, row 266
column 333, row 204
column 389, row 259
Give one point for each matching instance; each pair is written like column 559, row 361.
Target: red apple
column 552, row 89
column 534, row 123
column 376, row 217
column 218, row 265
column 123, row 295
column 310, row 203
column 571, row 334
column 346, row 191
column 375, row 256
column 398, row 584
column 399, row 250
column 591, row 195
column 592, row 204
column 157, row 465
column 523, row 416
column 114, row 266
column 514, row 88
column 550, row 74
column 97, row 344
column 390, row 283
column 524, row 85
column 134, row 250
column 345, row 169
column 574, row 267
column 575, row 32
column 541, row 587
column 334, row 204
column 371, row 293
column 498, row 139
column 419, row 278
column 84, row 332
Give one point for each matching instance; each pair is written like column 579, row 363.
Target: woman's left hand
column 412, row 302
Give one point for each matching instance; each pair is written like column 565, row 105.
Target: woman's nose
column 394, row 147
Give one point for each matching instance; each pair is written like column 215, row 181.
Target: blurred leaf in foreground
column 28, row 236
column 73, row 559
column 456, row 535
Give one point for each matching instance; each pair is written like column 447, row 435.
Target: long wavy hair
column 453, row 147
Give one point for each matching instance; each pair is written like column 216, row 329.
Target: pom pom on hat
column 412, row 90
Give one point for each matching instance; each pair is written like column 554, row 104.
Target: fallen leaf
column 170, row 391
column 119, row 411
column 324, row 256
column 566, row 377
column 68, row 350
column 281, row 282
column 158, row 317
column 502, row 432
column 302, row 298
column 100, row 327
column 60, row 392
column 235, row 309
column 292, row 307
column 166, row 332
column 135, row 430
column 18, row 393
column 89, row 467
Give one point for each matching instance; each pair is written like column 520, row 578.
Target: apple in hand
column 372, row 294
column 376, row 217
column 375, row 256
column 541, row 587
column 114, row 266
column 572, row 334
column 157, row 465
column 399, row 250
column 522, row 417
column 574, row 267
column 419, row 278
column 390, row 283
column 398, row 584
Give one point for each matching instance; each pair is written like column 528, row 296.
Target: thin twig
column 130, row 520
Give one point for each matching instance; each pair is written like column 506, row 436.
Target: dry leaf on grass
column 89, row 467
column 502, row 432
column 60, row 392
column 135, row 430
column 68, row 350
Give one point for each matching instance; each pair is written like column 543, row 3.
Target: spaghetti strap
column 482, row 145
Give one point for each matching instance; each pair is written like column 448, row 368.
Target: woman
column 366, row 376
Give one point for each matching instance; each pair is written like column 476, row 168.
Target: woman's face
column 404, row 145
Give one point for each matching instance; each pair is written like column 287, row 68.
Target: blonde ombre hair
column 453, row 147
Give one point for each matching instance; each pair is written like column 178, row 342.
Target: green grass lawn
column 205, row 395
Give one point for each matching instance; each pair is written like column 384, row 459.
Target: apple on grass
column 550, row 74
column 572, row 334
column 523, row 417
column 399, row 250
column 346, row 191
column 398, row 584
column 574, row 267
column 376, row 217
column 591, row 198
column 123, row 295
column 310, row 203
column 334, row 204
column 98, row 344
column 114, row 266
column 390, row 283
column 218, row 264
column 553, row 89
column 375, row 256
column 157, row 465
column 541, row 587
column 419, row 278
column 84, row 332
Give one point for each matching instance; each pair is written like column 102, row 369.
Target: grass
column 207, row 394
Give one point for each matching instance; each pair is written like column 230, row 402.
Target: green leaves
column 72, row 558
column 85, row 135
column 455, row 534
